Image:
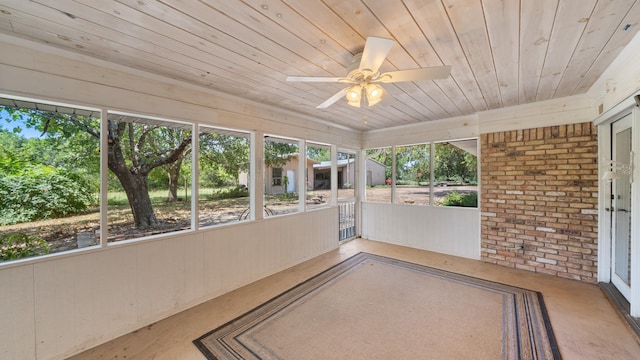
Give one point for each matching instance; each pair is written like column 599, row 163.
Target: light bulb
column 374, row 94
column 354, row 95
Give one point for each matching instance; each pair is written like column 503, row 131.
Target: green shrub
column 41, row 192
column 19, row 245
column 230, row 193
column 465, row 200
column 405, row 182
column 288, row 196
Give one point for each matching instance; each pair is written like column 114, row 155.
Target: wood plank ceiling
column 502, row 52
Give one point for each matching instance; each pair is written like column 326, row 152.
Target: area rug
column 374, row 307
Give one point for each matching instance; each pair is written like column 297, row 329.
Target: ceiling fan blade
column 315, row 78
column 430, row 73
column 375, row 51
column 332, row 99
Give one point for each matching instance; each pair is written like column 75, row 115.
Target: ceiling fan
column 363, row 74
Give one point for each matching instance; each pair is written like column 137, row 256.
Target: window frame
column 248, row 214
column 192, row 127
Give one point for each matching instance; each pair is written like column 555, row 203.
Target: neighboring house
column 375, row 173
column 274, row 181
column 346, row 174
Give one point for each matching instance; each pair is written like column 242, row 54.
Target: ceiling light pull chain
column 364, row 116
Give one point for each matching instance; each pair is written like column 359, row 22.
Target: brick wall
column 539, row 200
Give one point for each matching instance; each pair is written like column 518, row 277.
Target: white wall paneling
column 447, row 230
column 55, row 306
column 438, row 130
column 61, row 305
column 567, row 110
column 18, row 331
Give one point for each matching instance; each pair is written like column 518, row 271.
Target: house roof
column 327, row 164
column 502, row 53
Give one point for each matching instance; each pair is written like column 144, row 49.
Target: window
column 378, row 180
column 318, row 176
column 276, row 176
column 456, row 173
column 413, row 174
column 49, row 178
column 149, row 176
column 223, row 176
column 281, row 193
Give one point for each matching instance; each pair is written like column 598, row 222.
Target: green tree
column 40, row 177
column 318, row 153
column 278, row 153
column 133, row 150
column 12, row 159
column 454, row 164
column 412, row 162
column 223, row 157
column 172, row 137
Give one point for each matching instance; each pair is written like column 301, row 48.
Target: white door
column 291, row 177
column 621, row 209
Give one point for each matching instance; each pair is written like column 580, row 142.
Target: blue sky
column 26, row 132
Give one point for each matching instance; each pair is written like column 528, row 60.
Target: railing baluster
column 347, row 224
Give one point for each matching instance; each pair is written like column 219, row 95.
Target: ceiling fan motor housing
column 357, row 75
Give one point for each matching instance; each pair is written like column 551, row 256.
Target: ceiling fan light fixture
column 374, row 93
column 354, row 95
column 364, row 73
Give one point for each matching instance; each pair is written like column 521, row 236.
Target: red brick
column 546, row 178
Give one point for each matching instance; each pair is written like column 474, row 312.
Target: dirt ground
column 415, row 195
column 62, row 234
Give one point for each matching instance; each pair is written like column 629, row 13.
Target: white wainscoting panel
column 17, row 325
column 447, row 230
column 55, row 307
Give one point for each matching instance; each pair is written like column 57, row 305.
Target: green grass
column 157, row 197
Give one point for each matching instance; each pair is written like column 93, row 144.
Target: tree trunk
column 135, row 186
column 173, row 170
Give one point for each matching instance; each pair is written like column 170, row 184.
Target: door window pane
column 622, row 208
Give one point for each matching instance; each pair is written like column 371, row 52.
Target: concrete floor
column 585, row 324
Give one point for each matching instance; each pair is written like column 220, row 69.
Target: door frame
column 603, row 123
column 623, row 124
column 357, row 185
